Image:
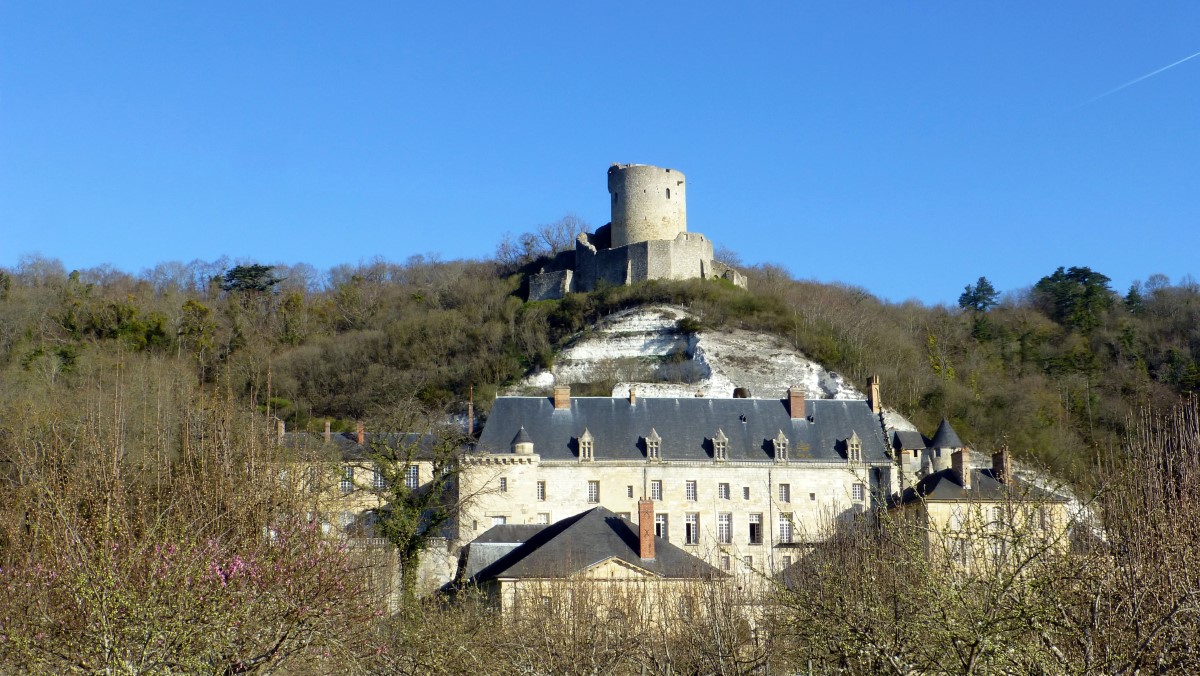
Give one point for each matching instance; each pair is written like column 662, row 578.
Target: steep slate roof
column 946, row 437
column 944, row 486
column 686, row 426
column 584, row 540
column 908, row 439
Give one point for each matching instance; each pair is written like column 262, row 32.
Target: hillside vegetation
column 1053, row 370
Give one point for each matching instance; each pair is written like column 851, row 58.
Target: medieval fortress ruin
column 647, row 238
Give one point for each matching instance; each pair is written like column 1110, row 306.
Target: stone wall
column 817, row 494
column 551, row 285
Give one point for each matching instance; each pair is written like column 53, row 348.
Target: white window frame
column 689, row 490
column 412, row 477
column 785, row 493
column 656, row 490
column 691, row 528
column 858, row 492
column 503, row 484
column 754, row 531
column 593, row 492
column 725, row 528
column 377, row 481
column 346, row 483
column 786, row 531
column 541, row 491
column 661, row 525
column 723, row 491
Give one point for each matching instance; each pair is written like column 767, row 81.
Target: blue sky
column 904, row 147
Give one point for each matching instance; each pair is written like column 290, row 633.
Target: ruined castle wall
column 551, row 285
column 648, row 203
column 688, row 256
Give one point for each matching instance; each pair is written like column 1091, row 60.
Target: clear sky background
column 907, row 148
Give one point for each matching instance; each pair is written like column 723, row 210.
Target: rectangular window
column 656, row 490
column 499, row 520
column 785, row 527
column 629, row 491
column 749, row 561
column 543, row 517
column 725, row 528
column 745, row 492
column 725, row 562
column 503, row 484
column 857, row 492
column 347, row 482
column 593, row 491
column 691, row 529
column 756, row 533
column 785, row 492
column 412, row 477
column 787, row 561
column 660, row 525
column 812, row 497
column 377, row 481
column 541, row 491
column 690, row 490
column 723, row 491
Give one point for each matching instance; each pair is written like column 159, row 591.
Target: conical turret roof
column 946, row 437
column 522, row 437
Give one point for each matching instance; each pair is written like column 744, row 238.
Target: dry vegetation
column 142, row 531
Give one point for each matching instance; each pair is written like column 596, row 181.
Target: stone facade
column 743, row 484
column 647, row 238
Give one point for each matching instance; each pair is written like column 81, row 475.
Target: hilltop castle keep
column 647, row 238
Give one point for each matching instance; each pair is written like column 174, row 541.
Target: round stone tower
column 647, row 203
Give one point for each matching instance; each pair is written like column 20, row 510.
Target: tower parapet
column 648, row 203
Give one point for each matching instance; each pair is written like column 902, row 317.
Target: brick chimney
column 362, row 433
column 562, row 397
column 796, row 402
column 873, row 399
column 1002, row 465
column 327, row 433
column 632, row 396
column 646, row 528
column 961, row 463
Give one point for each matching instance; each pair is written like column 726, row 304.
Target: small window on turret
column 668, row 193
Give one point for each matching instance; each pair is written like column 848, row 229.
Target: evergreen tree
column 979, row 298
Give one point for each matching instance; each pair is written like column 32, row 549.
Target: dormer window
column 653, row 446
column 720, row 446
column 781, row 447
column 854, row 448
column 585, row 446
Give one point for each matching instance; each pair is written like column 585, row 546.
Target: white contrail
column 1151, row 74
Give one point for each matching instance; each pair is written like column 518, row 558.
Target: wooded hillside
column 1055, row 368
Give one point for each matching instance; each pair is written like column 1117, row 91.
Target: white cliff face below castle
column 647, row 238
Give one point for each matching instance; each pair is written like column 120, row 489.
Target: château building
column 741, row 483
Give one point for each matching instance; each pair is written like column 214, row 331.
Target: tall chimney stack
column 632, row 395
column 961, row 460
column 646, row 528
column 328, row 435
column 796, row 402
column 1002, row 465
column 362, row 433
column 471, row 412
column 562, row 397
column 873, row 395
